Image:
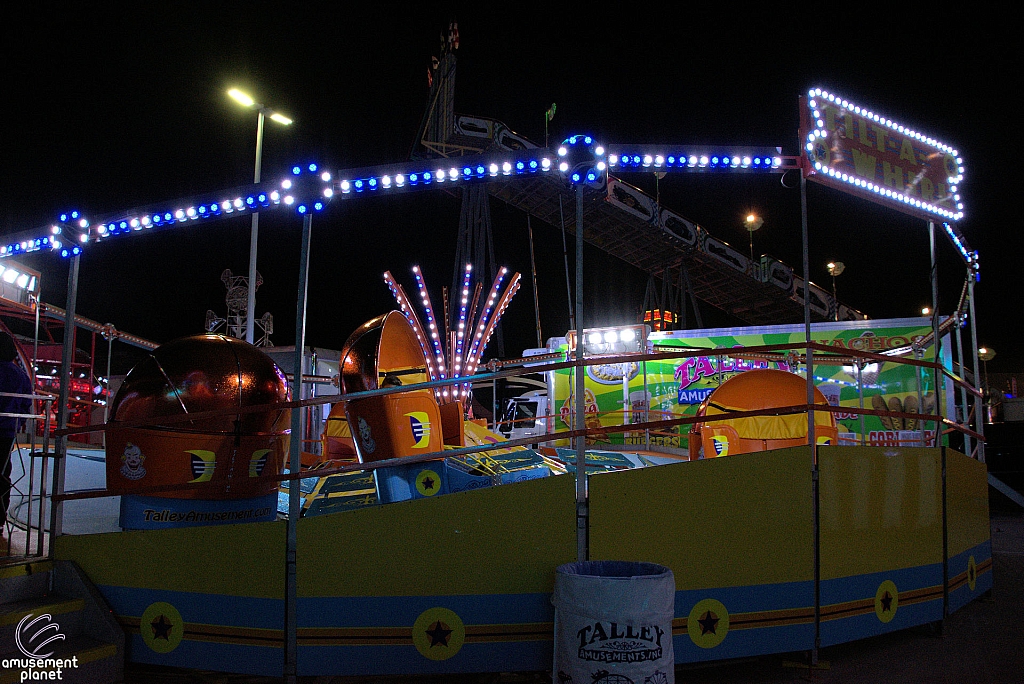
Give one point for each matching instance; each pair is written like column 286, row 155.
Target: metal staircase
column 54, row 601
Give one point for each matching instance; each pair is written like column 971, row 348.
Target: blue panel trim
column 214, row 609
column 391, row 660
column 752, row 640
column 742, row 643
column 396, row 611
column 204, row 655
column 750, row 599
column 960, row 593
column 857, row 587
column 865, row 623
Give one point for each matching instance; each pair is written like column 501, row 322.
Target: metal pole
column 939, row 384
column 42, row 482
column 106, row 401
column 816, row 513
column 807, row 316
column 860, row 399
column 979, row 419
column 294, row 503
column 920, row 399
column 250, row 323
column 647, row 401
column 61, row 446
column 533, row 270
column 937, row 346
column 960, row 356
column 35, row 360
column 581, row 421
column 565, row 258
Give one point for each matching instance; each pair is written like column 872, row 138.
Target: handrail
column 39, row 527
column 823, row 355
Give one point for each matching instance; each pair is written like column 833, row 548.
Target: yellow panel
column 237, row 560
column 967, row 502
column 506, row 539
column 733, row 521
column 881, row 509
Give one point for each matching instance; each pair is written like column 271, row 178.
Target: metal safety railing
column 34, row 496
column 25, row 528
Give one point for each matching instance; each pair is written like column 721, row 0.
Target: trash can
column 613, row 623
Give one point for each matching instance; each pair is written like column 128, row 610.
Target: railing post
column 67, row 358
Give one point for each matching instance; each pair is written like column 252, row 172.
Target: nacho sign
column 859, row 151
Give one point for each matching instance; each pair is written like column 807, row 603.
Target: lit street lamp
column 752, row 222
column 264, row 111
column 834, row 269
column 986, row 354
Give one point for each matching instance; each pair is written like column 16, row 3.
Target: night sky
column 125, row 106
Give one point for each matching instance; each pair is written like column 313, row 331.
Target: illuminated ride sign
column 853, row 149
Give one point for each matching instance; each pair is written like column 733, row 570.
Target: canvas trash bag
column 613, row 623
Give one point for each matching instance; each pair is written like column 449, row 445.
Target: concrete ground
column 981, row 643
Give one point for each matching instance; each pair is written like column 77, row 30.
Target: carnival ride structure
column 776, row 551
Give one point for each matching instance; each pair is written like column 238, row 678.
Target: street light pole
column 752, row 222
column 263, row 111
column 834, row 269
column 250, row 315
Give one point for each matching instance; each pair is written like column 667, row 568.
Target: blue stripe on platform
column 396, row 611
column 962, row 595
column 393, row 660
column 205, row 655
column 214, row 609
column 857, row 587
column 750, row 599
column 866, row 623
column 754, row 640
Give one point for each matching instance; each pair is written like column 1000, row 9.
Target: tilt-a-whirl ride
column 427, row 543
column 416, row 557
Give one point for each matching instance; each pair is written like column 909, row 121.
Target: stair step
column 65, row 612
column 24, row 580
column 11, row 613
column 88, row 660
